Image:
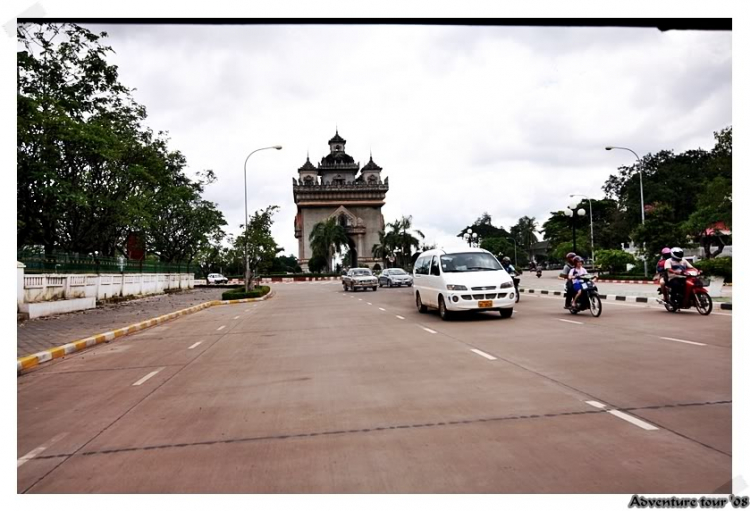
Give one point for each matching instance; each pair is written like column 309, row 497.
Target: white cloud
column 507, row 120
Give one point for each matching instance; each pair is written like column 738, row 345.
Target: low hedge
column 717, row 267
column 239, row 294
column 604, row 276
column 290, row 275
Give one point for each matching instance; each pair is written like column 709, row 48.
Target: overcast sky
column 463, row 120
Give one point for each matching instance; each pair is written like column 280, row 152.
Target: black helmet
column 506, row 260
column 677, row 253
column 578, row 258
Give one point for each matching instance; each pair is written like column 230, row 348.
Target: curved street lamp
column 247, row 261
column 643, row 208
column 591, row 215
column 470, row 237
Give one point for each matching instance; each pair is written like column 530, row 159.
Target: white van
column 464, row 279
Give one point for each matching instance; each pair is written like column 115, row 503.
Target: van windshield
column 472, row 261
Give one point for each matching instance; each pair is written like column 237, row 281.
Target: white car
column 465, row 279
column 216, row 278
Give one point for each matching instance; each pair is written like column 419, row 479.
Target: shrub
column 376, row 267
column 614, row 261
column 239, row 294
column 717, row 267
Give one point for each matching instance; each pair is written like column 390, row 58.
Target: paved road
column 317, row 390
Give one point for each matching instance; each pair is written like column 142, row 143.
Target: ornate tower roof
column 308, row 165
column 371, row 165
column 337, row 139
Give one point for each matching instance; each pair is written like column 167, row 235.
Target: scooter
column 589, row 299
column 693, row 294
column 538, row 273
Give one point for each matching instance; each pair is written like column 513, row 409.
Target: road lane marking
column 368, row 303
column 632, row 420
column 428, row 329
column 483, row 354
column 236, row 317
column 381, row 308
column 194, row 345
column 681, row 340
column 35, row 452
column 569, row 321
column 222, row 327
column 595, row 404
column 360, row 299
column 399, row 317
column 247, row 310
column 148, row 376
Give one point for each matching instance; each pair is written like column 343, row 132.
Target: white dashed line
column 194, row 345
column 149, row 375
column 360, row 299
column 569, row 321
column 428, row 329
column 368, row 303
column 483, row 354
column 400, row 317
column 222, row 327
column 381, row 308
column 632, row 420
column 681, row 340
column 35, row 452
column 236, row 317
column 595, row 404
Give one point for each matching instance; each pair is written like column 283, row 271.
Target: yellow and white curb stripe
column 27, row 362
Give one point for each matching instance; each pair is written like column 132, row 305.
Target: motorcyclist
column 675, row 267
column 505, row 261
column 569, row 265
column 661, row 273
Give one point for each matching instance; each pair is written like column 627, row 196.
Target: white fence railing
column 43, row 288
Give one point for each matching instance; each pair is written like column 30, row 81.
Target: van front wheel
column 445, row 314
column 420, row 306
column 506, row 313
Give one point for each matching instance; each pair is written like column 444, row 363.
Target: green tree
column 261, row 247
column 403, row 239
column 524, row 232
column 327, row 239
column 614, row 261
column 317, row 263
column 385, row 246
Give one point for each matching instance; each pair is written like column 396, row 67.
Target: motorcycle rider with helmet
column 569, row 265
column 505, row 261
column 661, row 273
column 675, row 267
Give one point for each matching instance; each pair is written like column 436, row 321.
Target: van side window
column 420, row 266
column 435, row 267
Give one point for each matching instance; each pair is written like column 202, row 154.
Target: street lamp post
column 591, row 215
column 471, row 237
column 643, row 207
column 515, row 250
column 247, row 261
column 571, row 212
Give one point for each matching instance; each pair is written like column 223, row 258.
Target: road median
column 619, row 298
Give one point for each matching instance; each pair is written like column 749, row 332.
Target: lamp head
column 608, row 148
column 277, row 147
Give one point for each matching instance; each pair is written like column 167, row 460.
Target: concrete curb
column 40, row 357
column 619, row 298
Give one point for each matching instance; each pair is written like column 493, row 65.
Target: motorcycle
column 589, row 299
column 538, row 273
column 693, row 294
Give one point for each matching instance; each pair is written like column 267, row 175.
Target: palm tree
column 384, row 249
column 525, row 232
column 403, row 239
column 327, row 238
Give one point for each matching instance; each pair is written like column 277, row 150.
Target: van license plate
column 485, row 303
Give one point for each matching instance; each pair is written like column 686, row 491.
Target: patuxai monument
column 338, row 188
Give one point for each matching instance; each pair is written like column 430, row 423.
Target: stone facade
column 336, row 188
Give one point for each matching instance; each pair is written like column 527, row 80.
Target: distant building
column 336, row 188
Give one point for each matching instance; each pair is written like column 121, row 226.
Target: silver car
column 395, row 277
column 359, row 278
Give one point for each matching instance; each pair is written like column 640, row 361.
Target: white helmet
column 677, row 253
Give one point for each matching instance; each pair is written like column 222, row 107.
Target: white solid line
column 381, row 308
column 721, row 314
column 399, row 317
column 483, row 354
column 236, row 317
column 194, row 345
column 149, row 375
column 35, row 452
column 680, row 340
column 595, row 404
column 428, row 330
column 221, row 327
column 569, row 321
column 632, row 420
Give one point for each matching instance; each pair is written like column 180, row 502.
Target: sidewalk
column 44, row 333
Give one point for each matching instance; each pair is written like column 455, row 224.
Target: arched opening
column 343, row 220
column 353, row 258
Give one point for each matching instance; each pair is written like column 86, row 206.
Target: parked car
column 395, row 277
column 466, row 279
column 216, row 278
column 359, row 278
